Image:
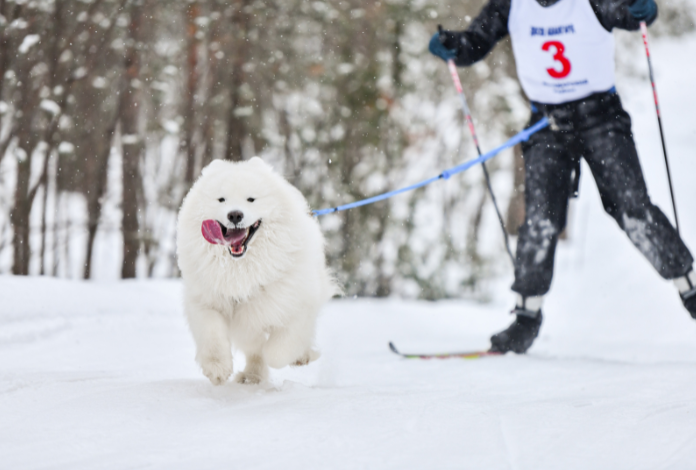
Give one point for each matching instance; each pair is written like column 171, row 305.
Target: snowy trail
column 117, row 388
column 101, row 375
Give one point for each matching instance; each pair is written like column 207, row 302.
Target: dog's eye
column 222, row 199
column 251, row 199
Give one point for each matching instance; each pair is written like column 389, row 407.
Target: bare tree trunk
column 44, row 211
column 43, row 183
column 292, row 169
column 55, row 50
column 19, row 216
column 56, row 228
column 192, row 13
column 472, row 244
column 20, row 219
column 97, row 186
column 214, row 84
column 515, row 213
column 236, row 127
column 4, row 44
column 131, row 143
column 27, row 139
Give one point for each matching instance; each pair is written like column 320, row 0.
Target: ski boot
column 690, row 303
column 687, row 291
column 519, row 336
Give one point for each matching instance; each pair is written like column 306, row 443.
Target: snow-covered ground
column 101, row 375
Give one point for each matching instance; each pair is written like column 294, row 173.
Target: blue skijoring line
column 521, row 136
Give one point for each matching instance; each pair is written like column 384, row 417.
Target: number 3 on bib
column 559, row 57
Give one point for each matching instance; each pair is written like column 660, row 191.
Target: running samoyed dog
column 252, row 259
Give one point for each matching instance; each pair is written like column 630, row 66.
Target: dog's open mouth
column 235, row 239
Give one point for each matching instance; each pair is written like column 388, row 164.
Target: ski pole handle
column 460, row 91
column 451, row 66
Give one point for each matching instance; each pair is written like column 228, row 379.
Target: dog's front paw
column 307, row 357
column 217, row 371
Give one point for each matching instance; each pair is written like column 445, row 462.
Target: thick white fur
column 265, row 303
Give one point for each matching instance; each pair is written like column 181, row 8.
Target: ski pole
column 644, row 31
column 470, row 123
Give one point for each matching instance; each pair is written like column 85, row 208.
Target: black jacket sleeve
column 614, row 14
column 489, row 27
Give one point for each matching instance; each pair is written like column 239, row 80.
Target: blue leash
column 520, row 137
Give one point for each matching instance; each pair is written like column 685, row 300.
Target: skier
column 564, row 51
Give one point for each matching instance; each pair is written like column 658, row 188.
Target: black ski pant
column 597, row 129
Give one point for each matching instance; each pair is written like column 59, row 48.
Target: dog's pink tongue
column 212, row 232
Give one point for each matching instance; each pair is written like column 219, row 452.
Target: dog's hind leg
column 292, row 344
column 213, row 350
column 256, row 370
column 309, row 356
column 250, row 341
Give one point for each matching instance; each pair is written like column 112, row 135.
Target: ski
column 455, row 355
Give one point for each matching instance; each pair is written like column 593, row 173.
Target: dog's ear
column 256, row 161
column 213, row 167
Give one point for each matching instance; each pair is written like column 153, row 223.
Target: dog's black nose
column 235, row 217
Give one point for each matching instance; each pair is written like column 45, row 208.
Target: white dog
column 255, row 277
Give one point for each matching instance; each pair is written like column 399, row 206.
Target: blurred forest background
column 110, row 108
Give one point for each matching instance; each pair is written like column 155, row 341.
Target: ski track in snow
column 101, row 375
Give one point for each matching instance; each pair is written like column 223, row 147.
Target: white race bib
column 563, row 53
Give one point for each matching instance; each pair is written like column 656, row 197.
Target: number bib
column 563, row 53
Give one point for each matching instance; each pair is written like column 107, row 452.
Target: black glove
column 444, row 44
column 643, row 9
